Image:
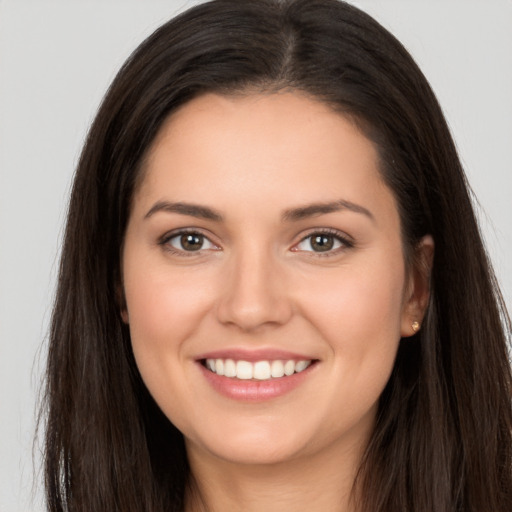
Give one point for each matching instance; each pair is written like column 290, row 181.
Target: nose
column 255, row 293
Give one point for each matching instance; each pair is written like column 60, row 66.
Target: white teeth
column 301, row 366
column 244, row 370
column 229, row 368
column 260, row 370
column 277, row 369
column 289, row 368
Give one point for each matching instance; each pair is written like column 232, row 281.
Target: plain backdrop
column 56, row 61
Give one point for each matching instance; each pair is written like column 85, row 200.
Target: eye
column 189, row 241
column 322, row 242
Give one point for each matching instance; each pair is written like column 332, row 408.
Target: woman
column 273, row 291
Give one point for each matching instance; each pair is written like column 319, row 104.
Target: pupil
column 322, row 243
column 192, row 242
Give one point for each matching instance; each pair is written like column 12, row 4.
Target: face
column 264, row 278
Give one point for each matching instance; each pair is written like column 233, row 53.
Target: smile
column 256, row 375
column 259, row 370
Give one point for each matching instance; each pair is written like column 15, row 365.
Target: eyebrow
column 291, row 215
column 314, row 209
column 192, row 210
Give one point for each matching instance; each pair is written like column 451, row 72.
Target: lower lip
column 255, row 390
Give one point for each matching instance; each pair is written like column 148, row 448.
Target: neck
column 323, row 482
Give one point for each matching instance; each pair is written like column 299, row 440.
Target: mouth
column 256, row 375
column 258, row 370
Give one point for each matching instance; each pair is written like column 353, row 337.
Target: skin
column 257, row 283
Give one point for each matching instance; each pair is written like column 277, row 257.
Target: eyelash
column 164, row 242
column 344, row 241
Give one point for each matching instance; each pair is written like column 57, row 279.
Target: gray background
column 56, row 60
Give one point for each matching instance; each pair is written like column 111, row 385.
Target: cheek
column 163, row 307
column 164, row 310
column 359, row 315
column 359, row 301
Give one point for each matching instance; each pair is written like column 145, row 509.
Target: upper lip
column 254, row 355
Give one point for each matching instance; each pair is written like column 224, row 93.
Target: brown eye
column 322, row 243
column 189, row 242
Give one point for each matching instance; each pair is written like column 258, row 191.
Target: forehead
column 278, row 148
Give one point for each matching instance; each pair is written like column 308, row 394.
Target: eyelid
column 164, row 241
column 345, row 240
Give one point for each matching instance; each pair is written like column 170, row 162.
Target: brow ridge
column 311, row 210
column 289, row 215
column 190, row 209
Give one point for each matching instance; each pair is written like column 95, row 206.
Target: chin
column 261, row 446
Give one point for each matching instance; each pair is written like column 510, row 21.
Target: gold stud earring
column 415, row 326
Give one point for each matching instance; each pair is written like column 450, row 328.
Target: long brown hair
column 443, row 437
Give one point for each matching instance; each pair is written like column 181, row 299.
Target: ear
column 121, row 302
column 417, row 292
column 124, row 316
